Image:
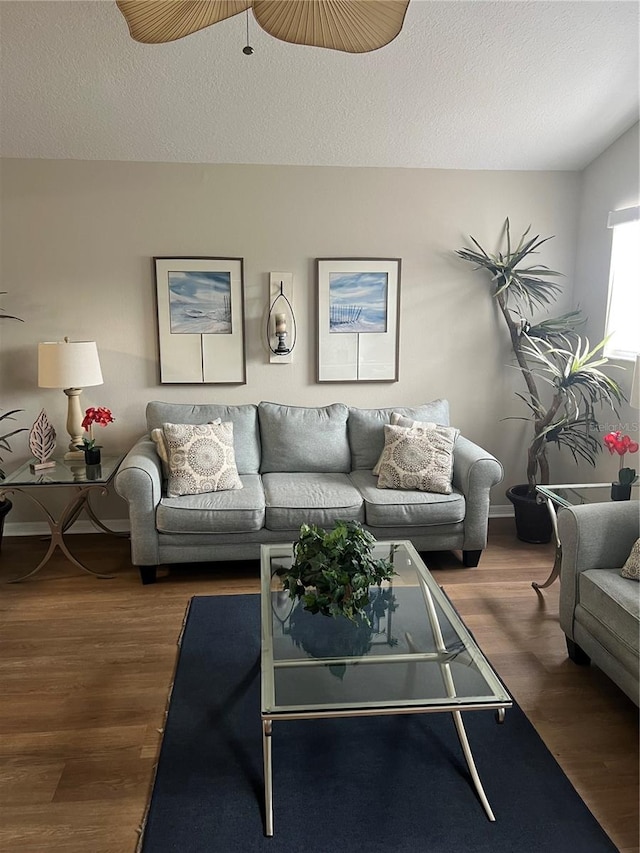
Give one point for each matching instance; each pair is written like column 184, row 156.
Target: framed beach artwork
column 358, row 316
column 201, row 320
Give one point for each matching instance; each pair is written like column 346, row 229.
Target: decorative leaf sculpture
column 42, row 438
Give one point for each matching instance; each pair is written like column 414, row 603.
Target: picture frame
column 200, row 302
column 358, row 319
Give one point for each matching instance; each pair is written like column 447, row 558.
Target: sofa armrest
column 592, row 536
column 597, row 536
column 139, row 482
column 475, row 471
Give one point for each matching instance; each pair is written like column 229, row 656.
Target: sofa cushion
column 298, row 439
column 417, row 458
column 366, row 428
column 201, row 458
column 614, row 603
column 237, row 511
column 399, row 508
column 322, row 499
column 246, row 438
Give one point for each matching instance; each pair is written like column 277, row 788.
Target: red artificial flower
column 620, row 444
column 100, row 416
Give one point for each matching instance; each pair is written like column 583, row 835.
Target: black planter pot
column 533, row 523
column 620, row 491
column 5, row 509
column 92, row 456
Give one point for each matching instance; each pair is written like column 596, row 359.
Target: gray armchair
column 599, row 609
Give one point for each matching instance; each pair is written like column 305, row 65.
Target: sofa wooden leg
column 148, row 574
column 470, row 559
column 577, row 654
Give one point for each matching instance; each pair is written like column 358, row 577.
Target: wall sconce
column 281, row 320
column 71, row 365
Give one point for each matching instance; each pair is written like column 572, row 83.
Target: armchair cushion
column 612, row 604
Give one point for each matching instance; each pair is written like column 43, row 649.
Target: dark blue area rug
column 395, row 784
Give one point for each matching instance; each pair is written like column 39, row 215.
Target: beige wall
column 77, row 243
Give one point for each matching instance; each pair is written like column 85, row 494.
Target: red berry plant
column 615, row 442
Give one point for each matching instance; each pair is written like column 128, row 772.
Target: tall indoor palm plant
column 562, row 375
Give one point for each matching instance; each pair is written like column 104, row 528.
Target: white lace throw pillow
column 418, row 458
column 631, row 568
column 401, row 420
column 162, row 450
column 201, row 458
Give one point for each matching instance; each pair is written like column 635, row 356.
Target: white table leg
column 464, row 743
column 268, row 785
column 555, row 571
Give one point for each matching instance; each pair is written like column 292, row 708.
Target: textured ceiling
column 466, row 85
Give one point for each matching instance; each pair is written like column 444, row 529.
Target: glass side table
column 570, row 494
column 73, row 475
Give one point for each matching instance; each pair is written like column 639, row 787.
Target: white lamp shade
column 634, row 397
column 68, row 364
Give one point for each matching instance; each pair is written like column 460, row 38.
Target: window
column 623, row 310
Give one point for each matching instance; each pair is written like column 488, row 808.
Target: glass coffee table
column 561, row 495
column 416, row 657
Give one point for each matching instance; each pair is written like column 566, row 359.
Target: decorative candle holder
column 279, row 325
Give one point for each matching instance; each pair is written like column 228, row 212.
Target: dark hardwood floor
column 86, row 665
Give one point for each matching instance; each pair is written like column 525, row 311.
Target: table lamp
column 71, row 365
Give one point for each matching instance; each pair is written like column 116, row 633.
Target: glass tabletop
column 64, row 472
column 571, row 494
column 417, row 652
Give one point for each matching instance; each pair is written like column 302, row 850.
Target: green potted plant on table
column 332, row 570
column 551, row 357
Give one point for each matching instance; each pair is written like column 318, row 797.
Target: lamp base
column 73, row 455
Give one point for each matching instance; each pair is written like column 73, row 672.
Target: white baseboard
column 501, row 511
column 121, row 525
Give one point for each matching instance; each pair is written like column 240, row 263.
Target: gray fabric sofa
column 599, row 609
column 299, row 465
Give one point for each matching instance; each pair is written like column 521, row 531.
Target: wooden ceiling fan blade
column 159, row 21
column 353, row 26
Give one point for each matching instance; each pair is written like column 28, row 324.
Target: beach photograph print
column 200, row 303
column 358, row 302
